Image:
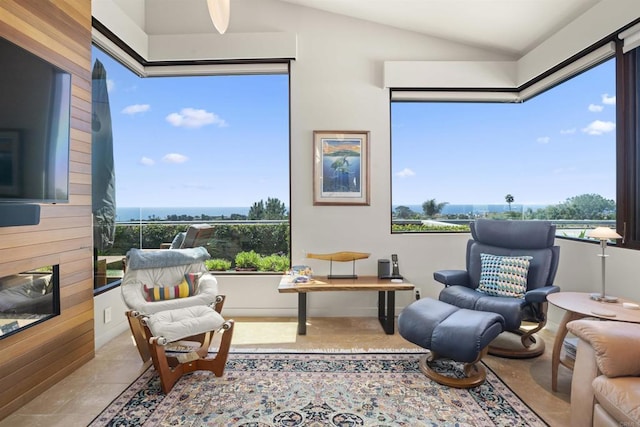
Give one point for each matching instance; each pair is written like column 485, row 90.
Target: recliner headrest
column 520, row 234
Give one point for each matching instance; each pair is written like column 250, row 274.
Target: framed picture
column 340, row 167
column 9, row 149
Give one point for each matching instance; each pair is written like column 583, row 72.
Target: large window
column 200, row 149
column 550, row 157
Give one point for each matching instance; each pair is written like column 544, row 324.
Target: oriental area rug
column 317, row 389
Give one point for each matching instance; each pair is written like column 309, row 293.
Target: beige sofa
column 605, row 388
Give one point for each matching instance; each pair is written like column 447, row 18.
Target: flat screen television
column 35, row 110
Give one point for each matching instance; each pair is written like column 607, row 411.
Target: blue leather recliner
column 525, row 313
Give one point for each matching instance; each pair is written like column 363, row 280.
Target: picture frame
column 341, row 168
column 9, row 161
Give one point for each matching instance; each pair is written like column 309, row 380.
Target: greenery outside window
column 199, row 149
column 550, row 157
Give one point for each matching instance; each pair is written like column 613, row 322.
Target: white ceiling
column 512, row 27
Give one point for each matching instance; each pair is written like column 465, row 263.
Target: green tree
column 431, row 208
column 593, row 206
column 509, row 199
column 273, row 209
column 404, row 212
column 584, row 206
column 256, row 211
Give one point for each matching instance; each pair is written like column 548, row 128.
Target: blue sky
column 557, row 145
column 223, row 142
column 198, row 141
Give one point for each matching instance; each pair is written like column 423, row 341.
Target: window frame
column 120, row 52
column 627, row 122
column 627, row 145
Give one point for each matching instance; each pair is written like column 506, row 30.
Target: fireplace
column 28, row 298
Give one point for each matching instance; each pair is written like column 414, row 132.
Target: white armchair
column 164, row 268
column 171, row 296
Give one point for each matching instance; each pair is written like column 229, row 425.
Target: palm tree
column 509, row 199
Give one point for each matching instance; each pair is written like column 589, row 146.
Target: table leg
column 381, row 303
column 302, row 313
column 558, row 343
column 387, row 317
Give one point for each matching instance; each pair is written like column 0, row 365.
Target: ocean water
column 124, row 214
column 478, row 209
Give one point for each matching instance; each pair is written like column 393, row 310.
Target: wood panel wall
column 34, row 359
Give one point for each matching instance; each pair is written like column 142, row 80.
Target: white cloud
column 193, row 118
column 595, row 108
column 599, row 127
column 608, row 100
column 567, row 131
column 135, row 109
column 175, row 158
column 543, row 140
column 147, row 161
column 406, row 172
column 111, row 85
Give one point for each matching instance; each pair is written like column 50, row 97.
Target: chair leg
column 170, row 368
column 524, row 346
column 217, row 364
column 168, row 375
column 529, row 346
column 475, row 373
column 139, row 335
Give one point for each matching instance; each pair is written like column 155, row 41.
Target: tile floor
column 77, row 399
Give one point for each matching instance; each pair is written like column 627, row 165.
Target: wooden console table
column 578, row 305
column 385, row 287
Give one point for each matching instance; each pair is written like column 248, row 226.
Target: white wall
column 337, row 84
column 105, row 331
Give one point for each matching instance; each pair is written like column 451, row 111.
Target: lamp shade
column 603, row 233
column 220, row 10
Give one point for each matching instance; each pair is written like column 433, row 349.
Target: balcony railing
column 265, row 237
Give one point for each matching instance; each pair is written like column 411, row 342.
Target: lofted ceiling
column 506, row 27
column 512, row 27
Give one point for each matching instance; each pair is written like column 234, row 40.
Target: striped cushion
column 185, row 288
column 504, row 276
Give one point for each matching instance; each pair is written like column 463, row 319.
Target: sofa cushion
column 504, row 276
column 181, row 323
column 610, row 341
column 620, row 397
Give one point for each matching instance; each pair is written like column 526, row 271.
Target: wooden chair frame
column 171, row 368
column 141, row 335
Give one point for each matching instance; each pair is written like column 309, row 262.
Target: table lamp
column 603, row 234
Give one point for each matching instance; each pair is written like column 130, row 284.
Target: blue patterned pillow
column 504, row 276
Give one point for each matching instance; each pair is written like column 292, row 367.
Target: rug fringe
column 185, row 346
column 325, row 350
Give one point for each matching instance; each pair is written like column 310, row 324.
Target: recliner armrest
column 452, row 277
column 616, row 345
column 540, row 294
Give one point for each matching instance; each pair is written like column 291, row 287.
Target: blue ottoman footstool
column 450, row 332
